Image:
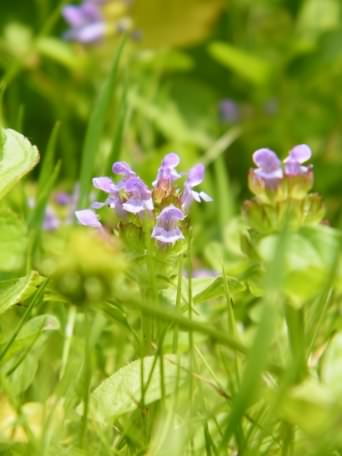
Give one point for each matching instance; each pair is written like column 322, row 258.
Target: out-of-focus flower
column 86, row 22
column 166, row 229
column 92, row 20
column 195, row 177
column 51, row 222
column 229, row 111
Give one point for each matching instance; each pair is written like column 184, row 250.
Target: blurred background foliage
column 277, row 62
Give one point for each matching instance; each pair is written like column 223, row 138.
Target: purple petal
column 89, row 33
column 73, row 15
column 196, row 175
column 88, row 217
column 171, row 160
column 300, row 154
column 122, row 169
column 266, row 160
column 167, row 236
column 134, row 206
column 104, row 183
column 170, row 214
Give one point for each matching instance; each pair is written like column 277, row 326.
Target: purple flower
column 195, row 177
column 63, row 199
column 166, row 229
column 269, row 167
column 229, row 111
column 295, row 159
column 137, row 196
column 167, row 174
column 86, row 22
column 129, row 195
column 88, row 217
column 51, row 222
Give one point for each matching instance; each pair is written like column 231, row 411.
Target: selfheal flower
column 88, row 217
column 129, row 195
column 195, row 177
column 229, row 111
column 85, row 20
column 295, row 159
column 167, row 174
column 166, row 229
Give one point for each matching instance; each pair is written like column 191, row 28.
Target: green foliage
column 108, row 345
column 17, row 159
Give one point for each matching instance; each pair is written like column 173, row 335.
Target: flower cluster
column 92, row 20
column 273, row 179
column 166, row 205
column 281, row 190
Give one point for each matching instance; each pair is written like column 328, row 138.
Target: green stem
column 295, row 327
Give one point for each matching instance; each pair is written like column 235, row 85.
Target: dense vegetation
column 170, row 227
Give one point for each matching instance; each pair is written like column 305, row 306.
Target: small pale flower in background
column 229, row 111
column 85, row 21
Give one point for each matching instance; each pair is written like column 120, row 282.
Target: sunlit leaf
column 17, row 158
column 13, row 241
column 17, row 290
column 249, row 66
column 121, row 393
column 175, row 23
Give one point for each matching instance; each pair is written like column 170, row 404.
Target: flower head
column 195, row 177
column 130, row 195
column 130, row 198
column 86, row 22
column 295, row 159
column 166, row 229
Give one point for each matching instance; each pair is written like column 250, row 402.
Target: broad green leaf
column 175, row 23
column 18, row 157
column 32, row 333
column 15, row 291
column 121, row 393
column 251, row 67
column 13, row 241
